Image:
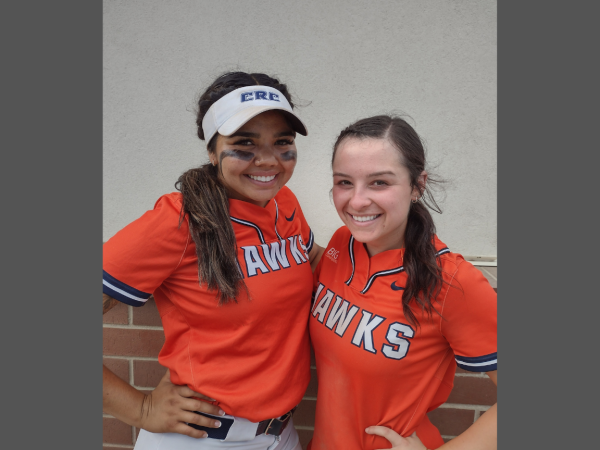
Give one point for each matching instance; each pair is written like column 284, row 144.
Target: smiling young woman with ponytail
column 228, row 261
column 395, row 310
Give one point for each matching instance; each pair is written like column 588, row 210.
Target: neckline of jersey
column 246, row 209
column 366, row 266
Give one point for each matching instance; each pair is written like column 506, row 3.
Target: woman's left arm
column 482, row 435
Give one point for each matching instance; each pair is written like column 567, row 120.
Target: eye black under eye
column 240, row 154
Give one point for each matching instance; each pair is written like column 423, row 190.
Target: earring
column 415, row 200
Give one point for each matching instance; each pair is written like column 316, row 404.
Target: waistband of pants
column 239, row 429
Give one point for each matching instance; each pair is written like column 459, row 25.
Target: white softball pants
column 240, row 436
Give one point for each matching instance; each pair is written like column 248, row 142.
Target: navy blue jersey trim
column 122, row 292
column 486, row 368
column 477, row 359
column 125, row 287
column 351, row 253
column 276, row 217
column 388, row 272
column 311, row 241
column 442, row 251
column 485, row 363
column 118, row 296
column 380, row 274
column 249, row 224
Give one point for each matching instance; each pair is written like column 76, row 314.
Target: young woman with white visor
column 228, row 261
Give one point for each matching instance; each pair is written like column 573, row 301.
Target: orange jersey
column 252, row 356
column 374, row 367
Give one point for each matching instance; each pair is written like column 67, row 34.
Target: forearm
column 482, row 435
column 121, row 400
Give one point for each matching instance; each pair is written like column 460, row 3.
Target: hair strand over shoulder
column 206, row 206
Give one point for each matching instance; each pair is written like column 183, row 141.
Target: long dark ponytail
column 205, row 200
column 420, row 261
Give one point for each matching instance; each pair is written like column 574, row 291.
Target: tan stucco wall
column 433, row 60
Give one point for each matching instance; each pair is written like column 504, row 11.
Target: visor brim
column 236, row 121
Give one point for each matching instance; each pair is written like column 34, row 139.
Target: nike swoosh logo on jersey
column 396, row 288
column 289, row 219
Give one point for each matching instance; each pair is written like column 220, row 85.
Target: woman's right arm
column 165, row 410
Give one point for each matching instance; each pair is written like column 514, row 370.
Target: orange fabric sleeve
column 469, row 320
column 142, row 255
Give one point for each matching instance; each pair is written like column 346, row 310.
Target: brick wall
column 132, row 338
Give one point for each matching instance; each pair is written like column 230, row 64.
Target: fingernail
column 221, row 412
column 217, row 423
column 205, row 435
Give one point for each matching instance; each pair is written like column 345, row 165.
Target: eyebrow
column 378, row 174
column 286, row 133
column 256, row 135
column 375, row 174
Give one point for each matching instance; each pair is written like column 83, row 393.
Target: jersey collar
column 264, row 221
column 365, row 270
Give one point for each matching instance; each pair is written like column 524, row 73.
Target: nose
column 266, row 157
column 359, row 199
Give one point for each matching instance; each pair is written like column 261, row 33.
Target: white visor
column 233, row 110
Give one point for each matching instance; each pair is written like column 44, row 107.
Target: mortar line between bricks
column 472, row 375
column 133, row 358
column 445, row 436
column 462, row 406
column 131, row 327
column 108, row 416
column 130, row 314
column 476, row 416
column 131, row 372
column 303, row 427
column 307, row 397
column 105, row 444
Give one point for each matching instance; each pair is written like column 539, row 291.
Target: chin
column 264, row 197
column 361, row 235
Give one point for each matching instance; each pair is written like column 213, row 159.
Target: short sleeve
column 142, row 255
column 469, row 320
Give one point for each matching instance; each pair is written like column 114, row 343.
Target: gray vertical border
column 547, row 79
column 51, row 252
